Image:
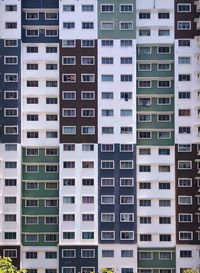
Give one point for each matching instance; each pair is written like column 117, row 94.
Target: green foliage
column 6, row 266
column 108, row 270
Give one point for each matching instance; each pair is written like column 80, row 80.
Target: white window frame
column 126, row 213
column 144, row 69
column 112, row 178
column 189, row 204
column 164, row 69
column 121, row 161
column 5, row 109
column 68, row 127
column 63, row 109
column 88, row 57
column 35, row 35
column 10, row 57
column 13, row 75
column 132, row 185
column 32, row 19
column 108, row 161
column 69, row 257
column 13, row 126
column 122, row 196
column 105, row 29
column 74, row 57
column 51, row 18
column 139, row 81
column 82, row 133
column 68, row 92
column 185, row 232
column 108, row 5
column 32, row 223
column 180, row 214
column 128, row 4
column 32, row 241
column 113, row 197
column 113, row 214
column 190, row 161
column 187, row 4
column 128, row 22
column 184, row 178
column 93, row 250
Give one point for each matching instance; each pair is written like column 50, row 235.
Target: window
column 164, row 186
column 68, row 182
column 126, row 253
column 144, row 151
column 11, row 182
column 107, row 112
column 145, row 185
column 163, row 32
column 32, row 168
column 126, row 217
column 185, row 218
column 126, row 164
column 10, row 112
column 144, row 15
column 144, row 168
column 184, row 164
column 145, row 255
column 69, row 217
column 87, row 182
column 107, row 60
column 10, row 217
column 144, row 67
column 69, row 112
column 108, row 164
column 32, row 186
column 87, row 112
column 107, row 78
column 126, row 235
column 51, row 49
column 10, row 164
column 68, row 43
column 87, row 130
column 185, row 253
column 51, row 134
column 107, row 130
column 185, row 200
column 88, row 217
column 31, row 238
column 87, row 25
column 144, row 50
column 87, row 8
column 12, row 253
column 51, row 168
column 69, row 95
column 184, row 42
column 145, row 220
column 32, row 32
column 69, row 164
column 32, row 151
column 164, row 203
column 69, row 8
column 184, row 77
column 127, row 270
column 31, row 220
column 144, row 135
column 164, row 67
column 10, row 130
column 126, row 8
column 185, row 182
column 164, row 220
column 31, row 255
column 68, row 199
column 50, row 255
column 144, row 32
column 164, row 84
column 87, row 43
column 107, row 217
column 32, row 100
column 69, row 130
column 88, row 235
column 144, row 118
column 10, row 95
column 51, row 203
column 186, row 235
column 184, row 7
column 145, row 237
column 68, row 25
column 144, row 84
column 87, row 95
column 87, row 147
column 87, row 164
column 107, row 8
column 12, row 77
column 126, row 25
column 107, row 182
column 165, row 237
column 10, row 25
column 107, row 235
column 107, row 147
column 184, row 60
column 87, row 60
column 145, row 203
column 163, row 50
column 68, row 270
column 10, row 200
column 10, row 235
column 126, row 200
column 87, row 77
column 10, row 60
column 126, row 78
column 10, row 7
column 107, row 43
column 10, row 43
column 164, row 255
column 184, row 130
column 109, row 25
column 126, row 43
column 107, row 253
column 107, row 199
column 163, row 15
column 163, row 168
column 87, row 253
column 163, row 151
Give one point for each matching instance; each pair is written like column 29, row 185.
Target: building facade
column 99, row 136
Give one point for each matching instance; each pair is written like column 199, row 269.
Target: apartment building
column 99, row 135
